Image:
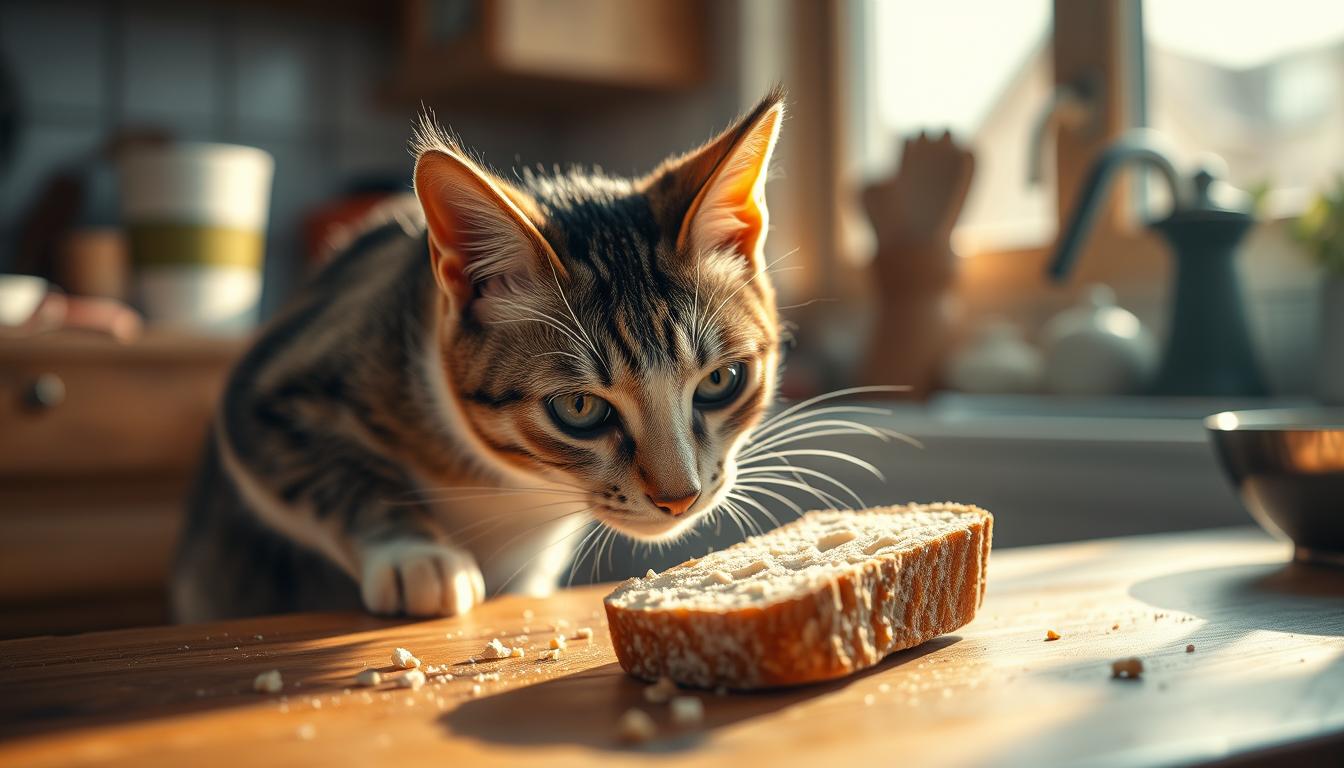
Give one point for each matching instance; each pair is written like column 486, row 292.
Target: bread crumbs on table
column 1051, row 634
column 1127, row 669
column 636, row 727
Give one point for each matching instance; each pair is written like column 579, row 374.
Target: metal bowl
column 1288, row 466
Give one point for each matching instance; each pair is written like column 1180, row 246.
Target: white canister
column 196, row 220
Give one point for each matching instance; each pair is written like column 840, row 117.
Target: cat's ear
column 724, row 182
column 479, row 226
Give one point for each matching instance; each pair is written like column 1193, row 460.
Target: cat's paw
column 420, row 578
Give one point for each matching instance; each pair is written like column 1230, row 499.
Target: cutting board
column 1240, row 654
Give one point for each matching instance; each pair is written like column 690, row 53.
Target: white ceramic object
column 997, row 361
column 20, row 296
column 1330, row 374
column 1097, row 348
column 208, row 300
column 197, row 216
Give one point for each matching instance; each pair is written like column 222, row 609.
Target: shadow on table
column 583, row 709
column 56, row 684
column 1292, row 597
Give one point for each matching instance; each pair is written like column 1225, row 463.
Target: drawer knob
column 45, row 392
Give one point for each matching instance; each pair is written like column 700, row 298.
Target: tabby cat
column 463, row 390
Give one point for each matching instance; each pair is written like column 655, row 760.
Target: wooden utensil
column 913, row 213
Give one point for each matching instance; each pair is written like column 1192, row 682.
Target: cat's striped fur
column 388, row 441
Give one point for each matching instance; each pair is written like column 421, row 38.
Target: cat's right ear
column 479, row 230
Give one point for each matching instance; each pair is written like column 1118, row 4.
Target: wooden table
column 1266, row 671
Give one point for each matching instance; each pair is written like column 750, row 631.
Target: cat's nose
column 675, row 504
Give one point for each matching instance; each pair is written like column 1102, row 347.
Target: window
column 983, row 71
column 1259, row 84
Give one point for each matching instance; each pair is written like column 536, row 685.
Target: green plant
column 1321, row 228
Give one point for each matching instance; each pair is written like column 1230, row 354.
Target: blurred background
column 171, row 172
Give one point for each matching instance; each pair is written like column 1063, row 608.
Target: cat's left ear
column 725, row 184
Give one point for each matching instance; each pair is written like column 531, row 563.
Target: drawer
column 89, row 409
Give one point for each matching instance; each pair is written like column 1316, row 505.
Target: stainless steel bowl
column 1288, row 466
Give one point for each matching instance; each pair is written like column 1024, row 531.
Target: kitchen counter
column 1241, row 654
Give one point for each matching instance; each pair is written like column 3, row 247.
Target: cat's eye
column 579, row 413
column 720, row 386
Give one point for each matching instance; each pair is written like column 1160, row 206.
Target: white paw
column 420, row 578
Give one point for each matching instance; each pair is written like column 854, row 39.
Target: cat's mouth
column 647, row 525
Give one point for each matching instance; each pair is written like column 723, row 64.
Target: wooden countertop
column 1267, row 670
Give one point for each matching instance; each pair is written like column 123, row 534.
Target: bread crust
column 890, row 602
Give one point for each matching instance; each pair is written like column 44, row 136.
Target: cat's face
column 619, row 337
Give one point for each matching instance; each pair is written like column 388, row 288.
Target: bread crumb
column 561, row 623
column 268, row 682
column 583, row 633
column 1127, row 669
column 1190, row 648
column 636, row 726
column 552, row 655
column 413, row 679
column 496, row 650
column 558, row 642
column 487, row 677
column 660, row 692
column 687, row 710
column 1051, row 634
column 1116, row 625
column 476, row 690
column 258, row 637
column 518, row 653
column 307, row 732
column 404, row 659
column 369, row 677
column 869, row 699
column 649, row 574
column 528, row 614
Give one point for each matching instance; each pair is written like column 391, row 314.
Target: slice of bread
column 819, row 598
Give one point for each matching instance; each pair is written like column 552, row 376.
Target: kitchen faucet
column 1208, row 350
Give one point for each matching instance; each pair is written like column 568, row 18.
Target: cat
column 448, row 405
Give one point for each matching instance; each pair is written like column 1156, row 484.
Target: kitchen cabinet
column 548, row 52
column 98, row 443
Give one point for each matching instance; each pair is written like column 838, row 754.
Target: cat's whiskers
column 535, row 555
column 819, row 452
column 493, row 524
column 549, row 323
column 695, row 306
column 793, row 469
column 555, row 276
column 532, row 528
column 714, row 315
column 580, row 551
column 793, row 420
column 825, row 428
column 440, row 496
column 745, row 493
column 746, row 499
column 826, row 497
column 745, row 522
column 766, row 425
